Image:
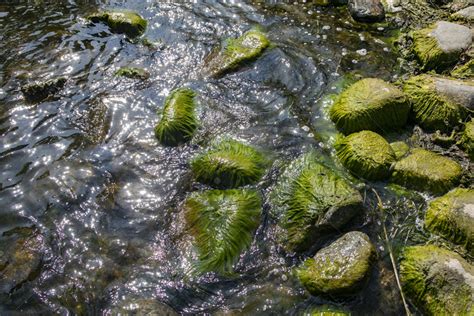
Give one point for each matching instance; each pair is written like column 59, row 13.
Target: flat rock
column 466, row 14
column 461, row 92
column 366, row 10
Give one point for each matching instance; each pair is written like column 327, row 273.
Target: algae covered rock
column 366, row 154
column 229, row 164
column 178, row 119
column 236, row 52
column 438, row 281
column 426, row 171
column 452, row 216
column 41, row 91
column 132, row 73
column 465, row 71
column 311, row 201
column 127, row 22
column 370, row 104
column 400, row 149
column 223, row 224
column 440, row 45
column 340, row 268
column 366, row 10
column 326, row 311
column 467, row 139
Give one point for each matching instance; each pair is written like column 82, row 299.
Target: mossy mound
column 178, row 119
column 339, row 268
column 465, row 71
column 467, row 139
column 133, row 73
column 426, row 171
column 452, row 216
column 229, row 164
column 400, row 149
column 126, row 22
column 432, row 109
column 238, row 51
column 223, row 224
column 41, row 91
column 366, row 154
column 438, row 281
column 370, row 104
column 311, row 201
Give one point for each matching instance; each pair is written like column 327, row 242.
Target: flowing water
column 86, row 170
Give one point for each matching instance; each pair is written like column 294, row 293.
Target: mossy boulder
column 237, row 52
column 438, row 103
column 400, row 149
column 311, row 201
column 126, row 22
column 440, row 45
column 465, row 71
column 229, row 164
column 370, row 104
column 452, row 216
column 467, row 139
column 40, row 91
column 438, row 281
column 133, row 73
column 178, row 121
column 427, row 171
column 366, row 154
column 340, row 268
column 223, row 224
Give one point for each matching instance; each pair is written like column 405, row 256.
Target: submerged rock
column 229, row 164
column 340, row 268
column 326, row 311
column 400, row 149
column 330, row 2
column 467, row 139
column 438, row 281
column 312, row 201
column 465, row 71
column 223, row 224
column 370, row 104
column 366, row 10
column 127, row 22
column 143, row 307
column 133, row 73
column 466, row 14
column 452, row 216
column 426, row 171
column 236, row 52
column 440, row 45
column 41, row 91
column 366, row 154
column 178, row 119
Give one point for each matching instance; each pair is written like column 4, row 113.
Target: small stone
column 133, row 73
column 121, row 21
column 41, row 91
column 368, row 11
column 466, row 14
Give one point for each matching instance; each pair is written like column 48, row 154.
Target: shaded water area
column 86, row 171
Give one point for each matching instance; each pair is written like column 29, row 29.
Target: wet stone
column 366, row 10
column 466, row 14
column 127, row 22
column 143, row 307
column 133, row 73
column 41, row 91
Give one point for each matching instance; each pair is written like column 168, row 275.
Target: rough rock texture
column 467, row 139
column 437, row 281
column 41, row 91
column 366, row 154
column 366, row 10
column 400, row 149
column 127, row 22
column 312, row 200
column 370, row 104
column 452, row 216
column 426, row 171
column 223, row 224
column 440, row 45
column 466, row 14
column 465, row 71
column 339, row 268
column 132, row 73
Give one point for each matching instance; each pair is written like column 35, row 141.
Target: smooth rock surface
column 366, row 10
column 466, row 14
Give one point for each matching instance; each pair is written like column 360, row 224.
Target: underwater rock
column 40, row 91
column 465, row 71
column 143, row 307
column 178, row 119
column 466, row 14
column 229, row 164
column 439, row 103
column 326, row 311
column 236, row 52
column 127, row 22
column 312, row 201
column 223, row 224
column 368, row 11
column 370, row 104
column 440, row 45
column 400, row 149
column 339, row 268
column 438, row 281
column 452, row 216
column 467, row 139
column 133, row 73
column 366, row 154
column 426, row 171
column 325, row 3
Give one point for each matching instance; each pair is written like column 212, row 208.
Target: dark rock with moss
column 326, row 311
column 143, row 307
column 223, row 224
column 370, row 104
column 400, row 149
column 366, row 154
column 467, row 139
column 325, row 3
column 237, row 52
column 438, row 281
column 133, row 73
column 465, row 71
column 423, row 170
column 466, row 15
column 126, row 22
column 229, row 164
column 178, row 121
column 452, row 216
column 340, row 268
column 40, row 91
column 440, row 45
column 368, row 11
column 311, row 201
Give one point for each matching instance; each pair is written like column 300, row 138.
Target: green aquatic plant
column 229, row 164
column 223, row 224
column 127, row 22
column 178, row 119
column 400, row 149
column 132, row 73
column 467, row 139
column 465, row 71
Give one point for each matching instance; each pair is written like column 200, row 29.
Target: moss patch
column 467, row 139
column 132, row 73
column 127, row 22
column 465, row 71
column 400, row 149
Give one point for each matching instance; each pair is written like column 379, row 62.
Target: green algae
column 400, row 149
column 465, row 71
column 467, row 139
column 132, row 73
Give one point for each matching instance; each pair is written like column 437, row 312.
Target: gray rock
column 452, row 37
column 466, row 14
column 462, row 92
column 366, row 10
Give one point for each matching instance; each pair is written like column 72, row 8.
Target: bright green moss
column 326, row 311
column 127, row 22
column 467, row 139
column 132, row 73
column 223, row 224
column 178, row 120
column 465, row 71
column 400, row 149
column 370, row 104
